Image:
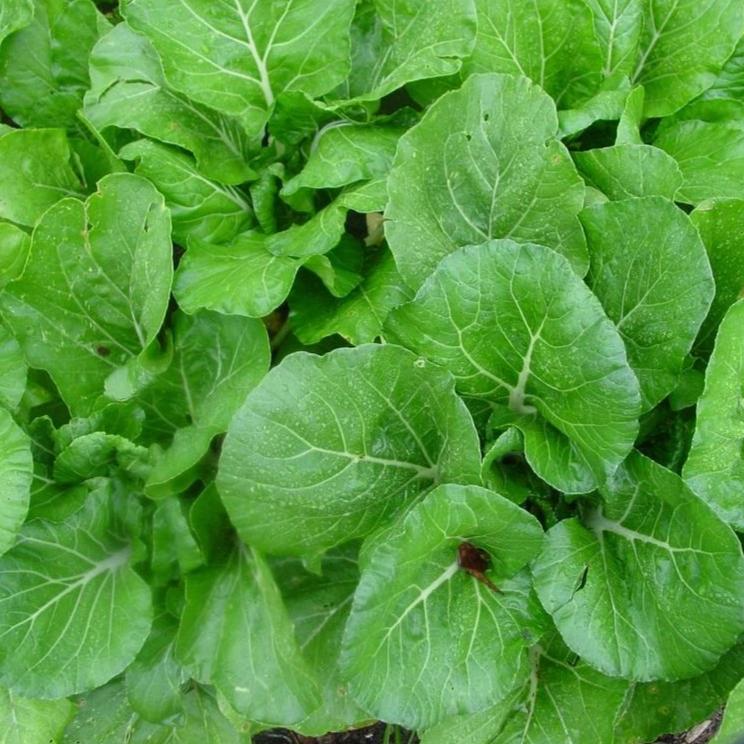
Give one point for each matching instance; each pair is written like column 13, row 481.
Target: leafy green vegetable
column 453, row 182
column 362, row 432
column 371, row 359
column 97, row 281
column 651, row 532
column 518, row 328
column 715, row 467
column 413, row 594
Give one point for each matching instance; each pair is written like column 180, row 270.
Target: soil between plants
column 700, row 734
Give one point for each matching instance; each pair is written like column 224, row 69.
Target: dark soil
column 700, row 734
column 370, row 735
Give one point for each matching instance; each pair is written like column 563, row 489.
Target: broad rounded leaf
column 563, row 700
column 326, row 449
column 632, row 587
column 517, row 327
column 238, row 57
column 625, row 171
column 684, row 43
column 455, row 180
column 465, row 643
column 37, row 163
column 16, row 475
column 715, row 465
column 651, row 273
column 72, row 612
column 235, row 634
column 97, row 282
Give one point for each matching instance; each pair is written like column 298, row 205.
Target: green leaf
column 24, row 721
column 651, row 273
column 654, row 708
column 729, row 85
column 563, row 700
column 98, row 455
column 238, row 278
column 154, row 678
column 617, row 25
column 552, row 42
column 319, row 608
column 452, row 183
column 629, row 126
column 97, row 282
column 235, row 633
column 626, row 171
column 720, row 223
column 340, row 269
column 710, row 156
column 14, row 247
column 44, row 66
column 326, row 449
column 217, row 360
column 199, row 207
column 518, row 328
column 72, row 611
column 358, row 317
column 632, row 585
column 715, row 465
column 16, row 474
column 414, row 600
column 12, row 370
column 732, row 726
column 128, row 90
column 345, row 153
column 37, row 163
column 174, row 549
column 395, row 42
column 14, row 15
column 684, row 43
column 239, row 57
column 106, row 717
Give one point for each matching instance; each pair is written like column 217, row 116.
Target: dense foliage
column 371, row 359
